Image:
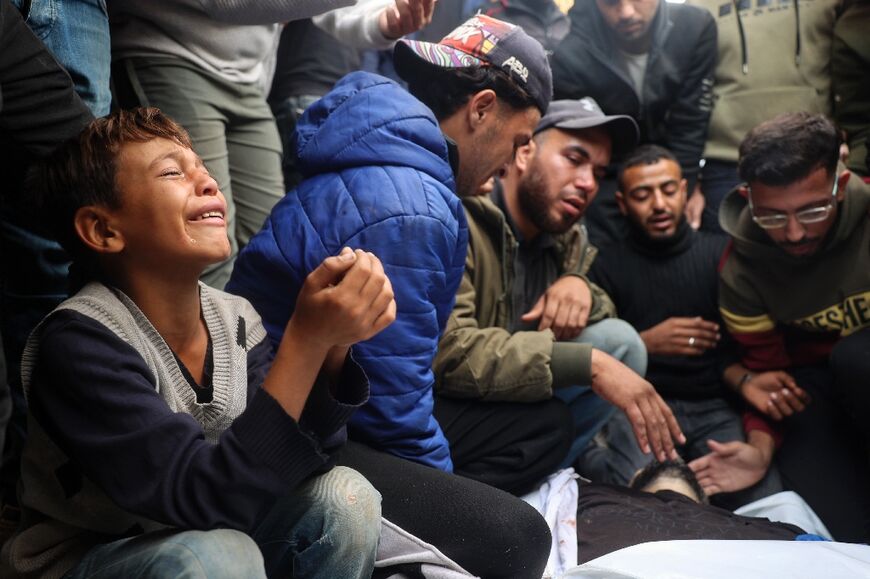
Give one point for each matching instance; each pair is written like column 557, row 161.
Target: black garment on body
column 39, row 110
column 536, row 266
column 650, row 281
column 511, row 446
column 486, row 531
column 823, row 457
column 610, row 518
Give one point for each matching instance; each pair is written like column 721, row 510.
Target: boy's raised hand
column 346, row 299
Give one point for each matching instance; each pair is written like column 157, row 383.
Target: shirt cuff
column 276, row 439
column 571, row 364
column 328, row 409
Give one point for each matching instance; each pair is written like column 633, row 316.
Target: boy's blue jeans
column 328, row 528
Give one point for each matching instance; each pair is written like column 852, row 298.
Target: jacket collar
column 602, row 42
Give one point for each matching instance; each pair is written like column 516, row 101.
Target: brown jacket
column 477, row 356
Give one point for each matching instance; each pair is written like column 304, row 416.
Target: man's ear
column 620, row 202
column 842, row 181
column 95, row 227
column 524, row 156
column 481, row 107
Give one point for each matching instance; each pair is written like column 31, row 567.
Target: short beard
column 532, row 193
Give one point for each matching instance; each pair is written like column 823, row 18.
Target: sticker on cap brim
column 444, row 56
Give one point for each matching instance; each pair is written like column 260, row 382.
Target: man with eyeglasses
column 795, row 294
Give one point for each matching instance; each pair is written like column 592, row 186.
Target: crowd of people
column 322, row 288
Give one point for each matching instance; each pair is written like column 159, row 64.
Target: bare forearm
column 733, row 376
column 764, row 442
column 294, row 370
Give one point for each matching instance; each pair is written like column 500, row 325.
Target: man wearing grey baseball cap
column 528, row 325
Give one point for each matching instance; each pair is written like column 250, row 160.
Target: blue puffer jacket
column 378, row 179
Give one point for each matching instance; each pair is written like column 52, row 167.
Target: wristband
column 743, row 380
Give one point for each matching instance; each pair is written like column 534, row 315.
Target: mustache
column 660, row 214
column 628, row 22
column 800, row 243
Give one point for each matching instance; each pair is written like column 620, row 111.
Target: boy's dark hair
column 644, row 155
column 446, row 90
column 674, row 469
column 787, row 148
column 82, row 172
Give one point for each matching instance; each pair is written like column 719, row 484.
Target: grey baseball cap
column 570, row 114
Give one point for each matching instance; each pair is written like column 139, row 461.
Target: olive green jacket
column 477, row 356
column 850, row 65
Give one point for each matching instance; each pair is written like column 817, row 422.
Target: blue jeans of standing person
column 77, row 33
column 589, row 411
column 33, row 268
column 328, row 528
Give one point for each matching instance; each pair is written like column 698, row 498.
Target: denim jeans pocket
column 40, row 15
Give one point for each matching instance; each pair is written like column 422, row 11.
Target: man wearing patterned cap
column 384, row 171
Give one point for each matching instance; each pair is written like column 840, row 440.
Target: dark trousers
column 824, row 459
column 488, row 532
column 511, row 446
column 718, row 178
column 850, row 362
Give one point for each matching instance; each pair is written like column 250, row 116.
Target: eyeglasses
column 806, row 216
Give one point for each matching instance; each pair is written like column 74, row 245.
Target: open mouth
column 209, row 215
column 573, row 206
column 661, row 223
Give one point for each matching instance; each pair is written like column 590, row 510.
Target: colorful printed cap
column 482, row 41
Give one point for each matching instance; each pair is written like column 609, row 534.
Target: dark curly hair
column 445, row 90
column 788, row 148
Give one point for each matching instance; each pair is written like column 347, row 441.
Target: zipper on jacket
column 797, row 30
column 743, row 52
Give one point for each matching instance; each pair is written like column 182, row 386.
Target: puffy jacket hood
column 753, row 243
column 370, row 120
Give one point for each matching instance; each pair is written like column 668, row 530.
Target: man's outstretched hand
column 734, row 466
column 651, row 418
